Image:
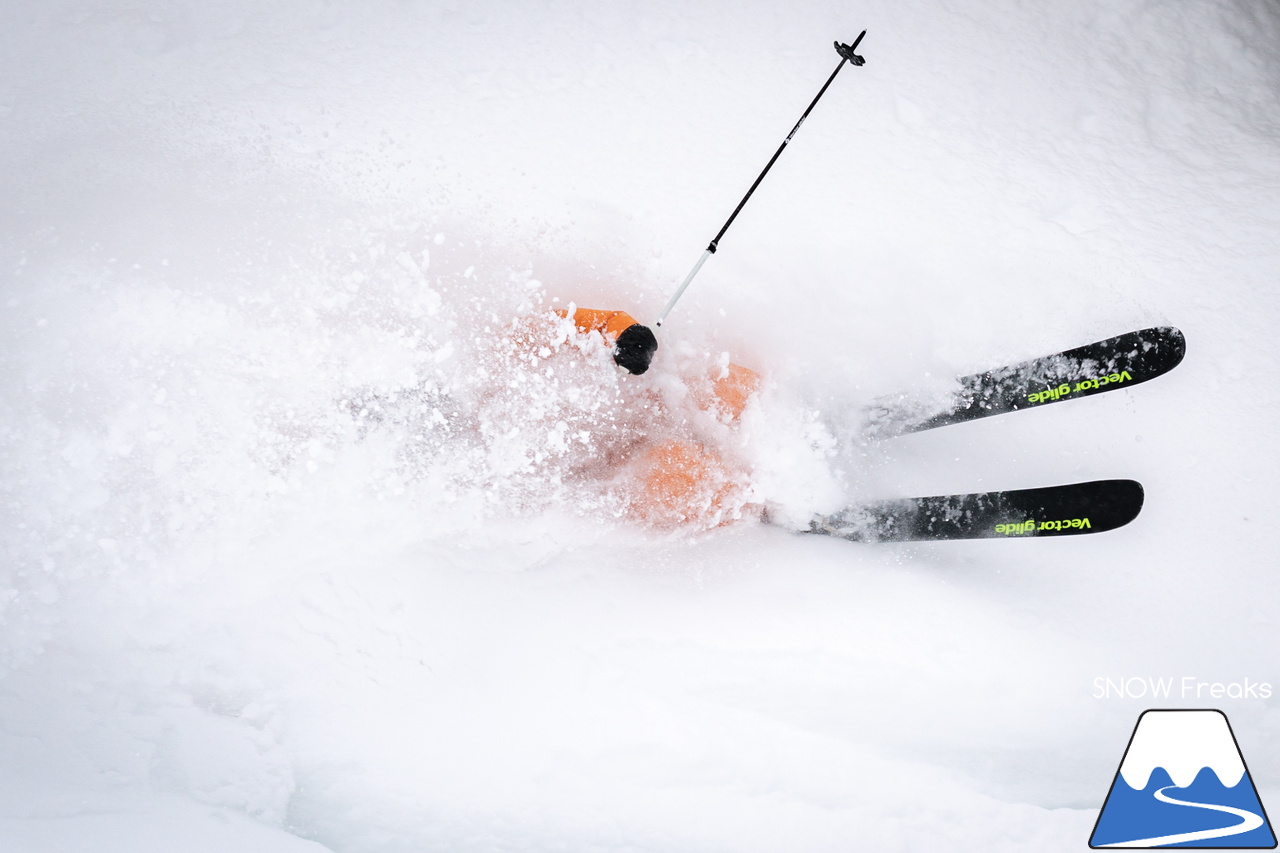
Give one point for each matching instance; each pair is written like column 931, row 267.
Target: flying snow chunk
column 1183, row 782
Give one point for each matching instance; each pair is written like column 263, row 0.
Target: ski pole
column 847, row 54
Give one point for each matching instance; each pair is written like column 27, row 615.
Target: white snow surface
column 301, row 553
column 1183, row 742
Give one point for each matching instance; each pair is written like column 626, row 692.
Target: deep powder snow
column 313, row 530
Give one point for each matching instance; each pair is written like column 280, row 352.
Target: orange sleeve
column 728, row 394
column 608, row 323
column 734, row 390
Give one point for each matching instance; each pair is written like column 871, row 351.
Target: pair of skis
column 1068, row 510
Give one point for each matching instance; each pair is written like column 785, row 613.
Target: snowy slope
column 297, row 556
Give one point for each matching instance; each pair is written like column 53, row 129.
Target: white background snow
column 294, row 559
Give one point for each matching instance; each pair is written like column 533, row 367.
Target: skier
column 678, row 481
column 686, row 479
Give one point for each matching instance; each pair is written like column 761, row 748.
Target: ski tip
column 1134, row 500
column 1171, row 343
column 1113, row 503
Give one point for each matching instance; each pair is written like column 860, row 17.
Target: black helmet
column 634, row 348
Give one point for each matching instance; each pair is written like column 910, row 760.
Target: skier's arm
column 633, row 344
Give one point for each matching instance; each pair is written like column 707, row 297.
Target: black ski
column 1069, row 510
column 1117, row 362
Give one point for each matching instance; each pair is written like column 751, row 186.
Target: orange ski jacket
column 679, row 481
column 610, row 324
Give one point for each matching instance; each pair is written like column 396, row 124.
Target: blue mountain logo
column 1183, row 783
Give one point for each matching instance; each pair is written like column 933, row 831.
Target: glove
column 634, row 348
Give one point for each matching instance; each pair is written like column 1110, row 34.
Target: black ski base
column 1069, row 510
